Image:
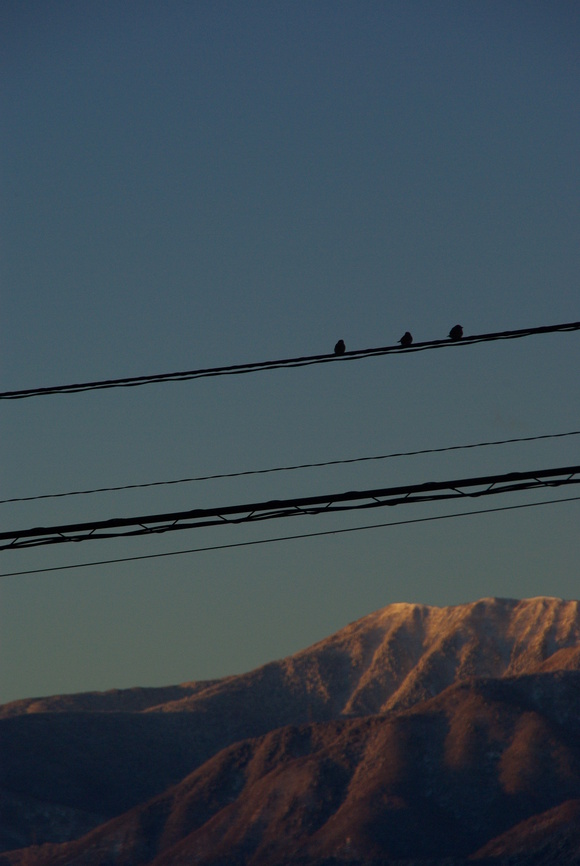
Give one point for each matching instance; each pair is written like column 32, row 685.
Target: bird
column 340, row 348
column 406, row 340
column 456, row 332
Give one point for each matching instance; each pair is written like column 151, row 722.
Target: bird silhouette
column 406, row 339
column 340, row 348
column 456, row 332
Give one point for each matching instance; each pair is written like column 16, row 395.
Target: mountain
column 415, row 733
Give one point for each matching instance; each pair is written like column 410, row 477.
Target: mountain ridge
column 520, row 656
column 314, row 792
column 536, row 633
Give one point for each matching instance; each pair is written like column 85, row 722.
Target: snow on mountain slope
column 387, row 660
column 104, row 753
column 405, row 653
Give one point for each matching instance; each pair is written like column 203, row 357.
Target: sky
column 188, row 185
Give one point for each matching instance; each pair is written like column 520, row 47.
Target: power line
column 289, row 468
column 430, row 491
column 289, row 537
column 308, row 360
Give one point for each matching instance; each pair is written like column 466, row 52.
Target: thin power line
column 288, row 537
column 430, row 491
column 307, row 360
column 289, row 468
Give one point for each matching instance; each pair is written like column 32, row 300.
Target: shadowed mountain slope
column 79, row 760
column 439, row 780
column 551, row 837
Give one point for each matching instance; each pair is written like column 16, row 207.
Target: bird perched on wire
column 456, row 332
column 406, row 340
column 340, row 348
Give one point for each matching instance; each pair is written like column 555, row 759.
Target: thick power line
column 261, row 541
column 237, row 369
column 430, row 491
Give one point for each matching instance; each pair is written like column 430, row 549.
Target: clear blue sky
column 195, row 184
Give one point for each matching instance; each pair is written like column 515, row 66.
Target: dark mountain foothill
column 416, row 735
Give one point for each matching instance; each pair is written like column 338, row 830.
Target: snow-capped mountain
column 416, row 732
